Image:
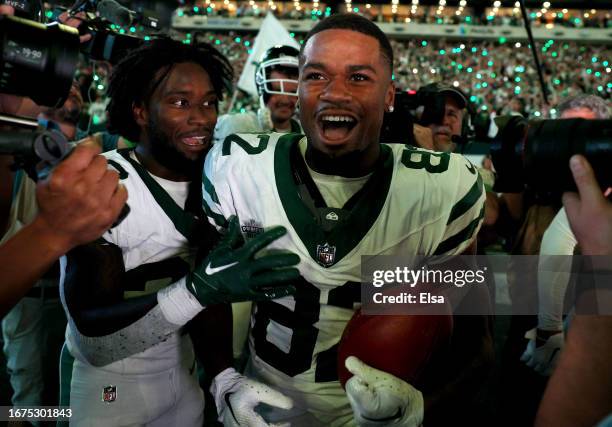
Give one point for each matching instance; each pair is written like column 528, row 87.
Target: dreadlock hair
column 353, row 22
column 134, row 80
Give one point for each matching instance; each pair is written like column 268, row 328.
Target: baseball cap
column 441, row 88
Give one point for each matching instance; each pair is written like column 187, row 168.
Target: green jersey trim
column 210, row 188
column 465, row 234
column 219, row 219
column 184, row 222
column 362, row 214
column 122, row 172
column 467, row 201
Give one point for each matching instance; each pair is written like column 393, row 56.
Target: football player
column 276, row 80
column 131, row 297
column 341, row 194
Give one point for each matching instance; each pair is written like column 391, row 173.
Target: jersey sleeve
column 554, row 271
column 216, row 193
column 467, row 195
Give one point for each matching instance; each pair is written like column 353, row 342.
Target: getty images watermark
column 483, row 285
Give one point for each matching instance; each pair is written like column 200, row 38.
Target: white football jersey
column 416, row 202
column 155, row 254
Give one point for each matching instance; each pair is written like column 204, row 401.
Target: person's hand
column 588, row 212
column 542, row 353
column 237, row 396
column 423, row 136
column 79, row 200
column 75, row 21
column 231, row 273
column 380, row 399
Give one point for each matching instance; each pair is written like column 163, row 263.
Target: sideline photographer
column 78, row 202
column 585, row 364
column 558, row 245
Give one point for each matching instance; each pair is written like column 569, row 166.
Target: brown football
column 399, row 345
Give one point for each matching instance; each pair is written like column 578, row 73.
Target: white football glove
column 236, row 397
column 380, row 399
column 543, row 358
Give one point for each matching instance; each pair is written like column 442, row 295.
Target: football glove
column 230, row 273
column 381, row 399
column 542, row 354
column 236, row 397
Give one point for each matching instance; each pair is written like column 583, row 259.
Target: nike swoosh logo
column 471, row 168
column 213, row 270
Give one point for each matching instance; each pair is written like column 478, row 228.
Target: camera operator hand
column 75, row 21
column 589, row 213
column 77, row 203
column 585, row 363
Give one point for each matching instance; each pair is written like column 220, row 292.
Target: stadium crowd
column 491, row 73
column 424, row 14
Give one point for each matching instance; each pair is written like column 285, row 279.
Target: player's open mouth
column 336, row 127
column 195, row 141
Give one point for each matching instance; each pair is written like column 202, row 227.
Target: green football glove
column 230, row 273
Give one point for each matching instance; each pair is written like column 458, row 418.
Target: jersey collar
column 328, row 248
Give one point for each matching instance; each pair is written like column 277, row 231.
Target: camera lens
column 536, row 154
column 550, row 144
column 38, row 61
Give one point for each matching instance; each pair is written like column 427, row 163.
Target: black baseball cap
column 441, row 88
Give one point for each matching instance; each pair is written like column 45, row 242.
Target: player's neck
column 351, row 165
column 146, row 158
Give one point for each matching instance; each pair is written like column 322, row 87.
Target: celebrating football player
column 130, row 296
column 341, row 194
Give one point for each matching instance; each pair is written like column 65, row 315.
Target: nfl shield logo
column 109, row 394
column 326, row 254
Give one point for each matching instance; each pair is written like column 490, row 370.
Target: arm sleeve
column 105, row 327
column 467, row 211
column 554, row 271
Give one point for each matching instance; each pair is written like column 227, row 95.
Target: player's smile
column 195, row 141
column 335, row 127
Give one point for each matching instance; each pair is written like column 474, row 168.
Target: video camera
column 106, row 43
column 424, row 107
column 535, row 154
column 39, row 60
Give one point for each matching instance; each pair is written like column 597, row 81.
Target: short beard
column 168, row 156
